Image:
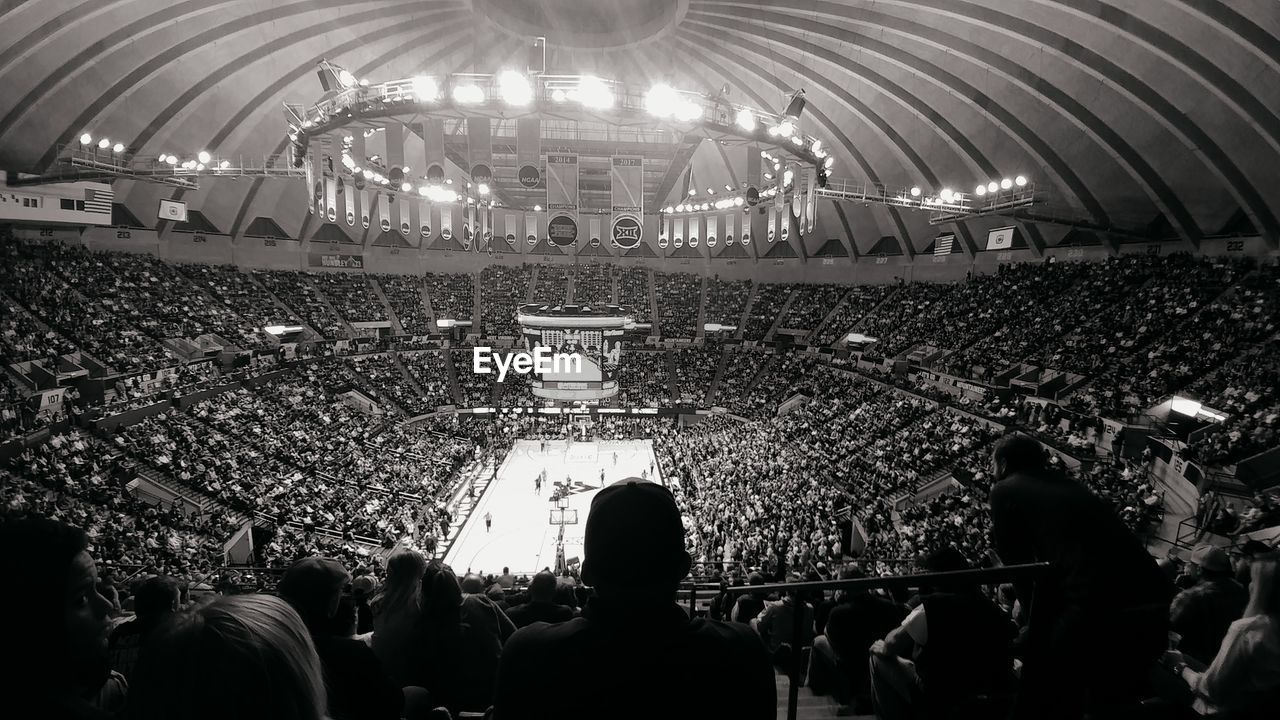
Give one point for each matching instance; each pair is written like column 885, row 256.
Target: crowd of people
column 404, row 294
column 453, row 295
column 592, row 284
column 553, row 284
column 678, row 297
column 770, row 297
column 506, row 288
column 633, row 291
column 726, row 299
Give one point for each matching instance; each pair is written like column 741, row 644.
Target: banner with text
column 562, row 199
column 336, row 260
column 626, row 186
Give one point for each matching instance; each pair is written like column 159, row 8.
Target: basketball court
column 522, row 535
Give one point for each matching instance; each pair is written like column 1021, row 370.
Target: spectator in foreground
column 776, row 624
column 396, row 609
column 356, row 686
column 954, row 646
column 1102, row 614
column 57, row 625
column 1243, row 681
column 634, row 653
column 241, row 656
column 154, row 600
column 541, row 606
column 1202, row 613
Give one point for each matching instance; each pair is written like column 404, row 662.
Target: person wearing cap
column 1202, row 613
column 542, row 605
column 355, row 683
column 1101, row 611
column 635, row 653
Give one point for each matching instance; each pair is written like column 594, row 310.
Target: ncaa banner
column 330, row 199
column 531, row 228
column 433, row 149
column 346, row 202
column 424, row 219
column 480, row 150
column 712, row 221
column 797, row 194
column 744, row 235
column 694, row 223
column 364, row 209
column 728, row 230
column 529, row 152
column 394, row 135
column 786, row 227
column 773, row 222
column 811, row 201
column 665, row 232
column 677, row 235
column 357, row 204
column 468, row 226
column 562, row 199
column 593, row 232
column 384, row 211
column 446, row 222
column 511, row 226
column 626, row 187
column 486, row 226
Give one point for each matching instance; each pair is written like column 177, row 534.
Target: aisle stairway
column 278, row 303
column 396, row 327
column 672, row 386
column 715, row 379
column 315, row 288
column 426, row 303
column 700, row 329
column 813, row 333
column 653, row 305
column 746, row 310
column 454, row 388
column 461, row 503
column 782, row 312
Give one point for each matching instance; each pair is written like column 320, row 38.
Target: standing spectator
column 154, row 600
column 1104, row 590
column 634, row 648
column 1202, row 613
column 58, row 624
column 243, row 656
column 397, row 606
column 356, row 686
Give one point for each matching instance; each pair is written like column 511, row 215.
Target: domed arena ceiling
column 1138, row 118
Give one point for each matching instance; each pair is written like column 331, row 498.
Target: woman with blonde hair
column 1243, row 681
column 396, row 609
column 244, row 656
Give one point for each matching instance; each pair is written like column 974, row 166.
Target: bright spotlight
column 85, row 139
column 980, row 190
column 660, row 100
column 787, row 177
column 829, row 162
column 514, row 88
column 162, row 158
column 104, row 143
column 425, row 88
column 915, row 192
column 1006, row 183
column 746, row 119
column 693, row 191
column 203, row 156
column 728, row 187
column 816, row 147
column 945, row 195
column 785, row 128
column 172, row 160
column 687, row 111
column 558, row 95
column 711, row 191
column 467, row 94
column 483, row 189
column 594, row 93
column 670, row 209
column 199, row 167
column 738, row 201
column 224, row 164
column 406, row 187
column 537, row 208
column 346, row 78
column 1020, row 181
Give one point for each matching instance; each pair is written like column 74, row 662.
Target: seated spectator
column 154, row 600
column 58, row 625
column 1243, row 680
column 634, row 652
column 838, row 660
column 749, row 604
column 243, row 656
column 541, row 606
column 776, row 624
column 1202, row 613
column 396, row 607
column 356, row 686
column 955, row 646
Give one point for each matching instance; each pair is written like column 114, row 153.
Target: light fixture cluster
column 721, row 204
column 202, row 160
column 946, row 196
column 664, row 101
column 996, row 186
column 86, row 140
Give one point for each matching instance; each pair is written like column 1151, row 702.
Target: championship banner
column 728, row 230
column 811, row 200
column 562, row 199
column 315, row 181
column 786, row 227
column 665, row 233
column 364, row 209
column 529, row 152
column 480, row 150
column 531, row 228
column 446, row 222
column 384, row 211
column 424, row 219
column 394, row 135
column 593, row 232
column 780, row 197
column 712, row 221
column 797, row 193
column 433, row 146
column 486, row 226
column 346, row 202
column 694, row 230
column 626, row 187
column 511, row 226
column 677, row 235
column 744, row 235
column 773, row 222
column 357, row 208
column 330, row 199
column 469, row 226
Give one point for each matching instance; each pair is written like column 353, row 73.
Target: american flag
column 942, row 245
column 98, row 201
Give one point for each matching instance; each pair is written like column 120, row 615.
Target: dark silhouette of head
column 1018, row 453
column 542, row 588
column 313, row 586
column 155, row 599
column 635, row 541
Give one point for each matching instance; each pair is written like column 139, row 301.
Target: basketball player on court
column 488, row 521
column 601, row 477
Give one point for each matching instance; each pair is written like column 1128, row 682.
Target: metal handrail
column 983, row 576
